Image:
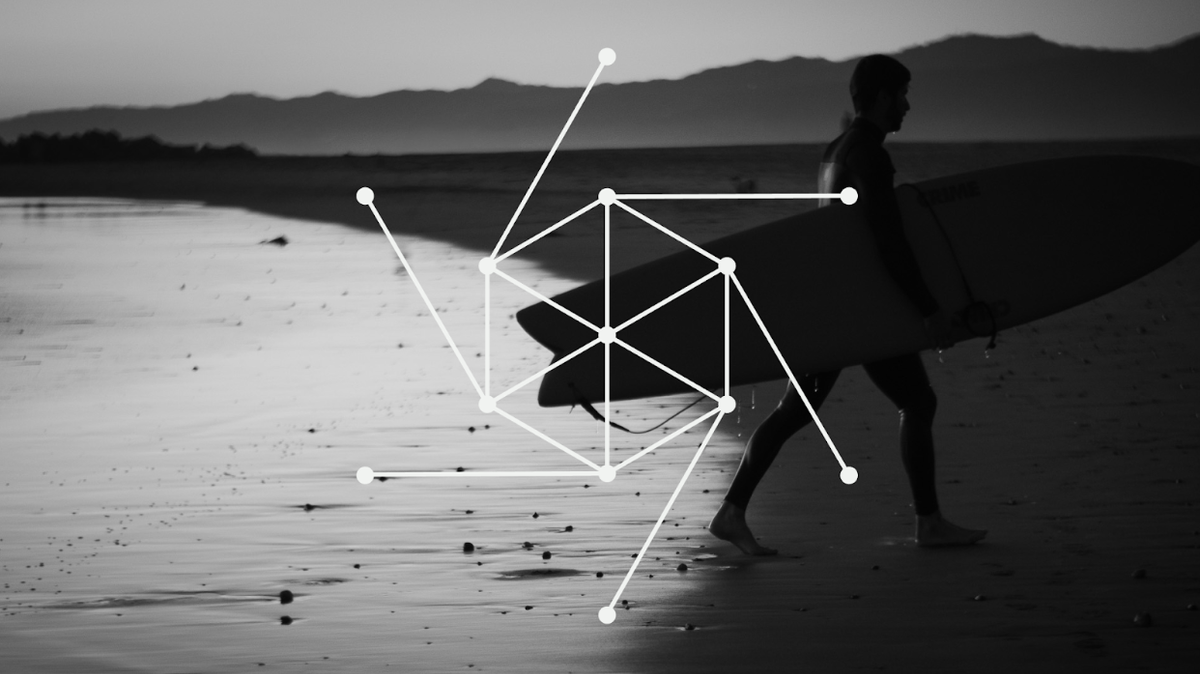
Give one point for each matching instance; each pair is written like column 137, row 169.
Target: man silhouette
column 879, row 90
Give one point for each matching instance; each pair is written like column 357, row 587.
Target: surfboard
column 997, row 247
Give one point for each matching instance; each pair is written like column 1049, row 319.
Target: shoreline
column 468, row 200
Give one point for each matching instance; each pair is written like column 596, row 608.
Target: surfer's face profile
column 897, row 108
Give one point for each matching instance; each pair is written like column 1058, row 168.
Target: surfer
column 879, row 90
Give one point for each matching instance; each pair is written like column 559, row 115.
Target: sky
column 79, row 53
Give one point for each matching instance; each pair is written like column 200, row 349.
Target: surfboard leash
column 975, row 307
column 583, row 402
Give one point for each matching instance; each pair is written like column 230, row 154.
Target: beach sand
column 167, row 503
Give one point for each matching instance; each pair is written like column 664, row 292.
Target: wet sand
column 1074, row 443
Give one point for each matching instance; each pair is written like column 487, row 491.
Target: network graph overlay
column 607, row 335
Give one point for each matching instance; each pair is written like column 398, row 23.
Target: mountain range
column 964, row 88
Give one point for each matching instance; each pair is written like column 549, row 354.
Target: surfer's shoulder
column 857, row 147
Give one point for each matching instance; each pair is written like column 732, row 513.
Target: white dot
column 727, row 265
column 608, row 57
column 849, row 475
column 487, row 404
column 608, row 473
column 487, row 265
column 607, row 334
column 607, row 615
column 365, row 195
column 849, row 196
column 607, row 196
column 365, row 475
column 727, row 404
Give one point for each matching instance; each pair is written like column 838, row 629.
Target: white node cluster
column 607, row 615
column 849, row 475
column 725, row 267
column 727, row 405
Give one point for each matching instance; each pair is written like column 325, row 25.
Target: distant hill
column 965, row 88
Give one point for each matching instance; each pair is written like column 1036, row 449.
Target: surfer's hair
column 873, row 74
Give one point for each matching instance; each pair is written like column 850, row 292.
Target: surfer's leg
column 904, row 381
column 788, row 417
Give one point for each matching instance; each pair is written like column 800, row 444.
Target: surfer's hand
column 937, row 329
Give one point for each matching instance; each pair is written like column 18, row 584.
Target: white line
column 788, row 370
column 668, row 232
column 671, row 298
column 487, row 333
column 727, row 391
column 607, row 323
column 653, row 532
column 548, row 368
column 548, row 230
column 428, row 304
column 666, row 197
column 547, row 300
column 668, row 438
column 607, row 403
column 487, row 473
column 607, row 265
column 668, row 370
column 547, row 438
column 561, row 135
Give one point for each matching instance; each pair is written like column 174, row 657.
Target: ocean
column 185, row 406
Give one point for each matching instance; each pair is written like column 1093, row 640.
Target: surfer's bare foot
column 935, row 531
column 729, row 524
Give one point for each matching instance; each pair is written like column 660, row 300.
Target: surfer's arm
column 878, row 201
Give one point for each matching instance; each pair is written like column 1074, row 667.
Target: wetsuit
column 857, row 159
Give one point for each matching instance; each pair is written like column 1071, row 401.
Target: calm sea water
column 184, row 407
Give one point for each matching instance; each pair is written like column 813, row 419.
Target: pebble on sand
column 546, row 555
column 468, row 547
column 681, row 567
column 286, row 620
column 527, row 545
column 535, row 516
column 570, row 528
column 286, row 597
column 599, row 574
column 1143, row 619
